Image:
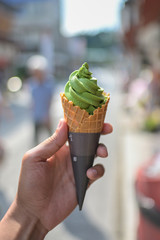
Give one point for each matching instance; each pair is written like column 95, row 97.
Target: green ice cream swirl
column 83, row 91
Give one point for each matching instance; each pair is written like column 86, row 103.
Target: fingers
column 107, row 128
column 98, row 170
column 102, row 151
column 95, row 173
column 51, row 145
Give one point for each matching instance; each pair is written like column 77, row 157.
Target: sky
column 89, row 15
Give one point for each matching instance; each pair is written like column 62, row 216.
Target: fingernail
column 94, row 172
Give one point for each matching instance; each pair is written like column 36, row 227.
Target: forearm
column 18, row 225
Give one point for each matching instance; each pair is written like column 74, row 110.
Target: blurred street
column 37, row 55
column 100, row 215
column 110, row 209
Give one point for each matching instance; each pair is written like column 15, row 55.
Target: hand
column 46, row 189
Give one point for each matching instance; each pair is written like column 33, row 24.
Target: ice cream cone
column 79, row 120
column 83, row 148
column 84, row 133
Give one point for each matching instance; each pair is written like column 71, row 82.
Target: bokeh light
column 14, row 84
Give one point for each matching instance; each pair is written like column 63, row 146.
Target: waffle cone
column 79, row 119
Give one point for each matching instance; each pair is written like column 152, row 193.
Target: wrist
column 18, row 224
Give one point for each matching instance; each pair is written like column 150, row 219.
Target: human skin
column 46, row 191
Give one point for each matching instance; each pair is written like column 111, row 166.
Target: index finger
column 107, row 128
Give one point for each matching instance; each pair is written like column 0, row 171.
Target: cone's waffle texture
column 79, row 119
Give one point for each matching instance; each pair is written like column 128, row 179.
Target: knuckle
column 54, row 139
column 27, row 156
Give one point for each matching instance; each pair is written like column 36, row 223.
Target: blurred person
column 46, row 192
column 41, row 89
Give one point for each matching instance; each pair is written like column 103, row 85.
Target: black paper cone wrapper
column 83, row 148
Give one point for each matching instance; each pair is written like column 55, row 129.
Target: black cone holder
column 83, row 148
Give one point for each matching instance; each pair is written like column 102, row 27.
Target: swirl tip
column 86, row 65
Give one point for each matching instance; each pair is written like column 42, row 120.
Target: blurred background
column 120, row 40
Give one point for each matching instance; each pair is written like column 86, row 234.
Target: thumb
column 51, row 145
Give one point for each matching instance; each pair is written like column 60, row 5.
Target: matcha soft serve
column 83, row 91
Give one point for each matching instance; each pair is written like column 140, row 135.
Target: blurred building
column 7, row 45
column 141, row 32
column 37, row 31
